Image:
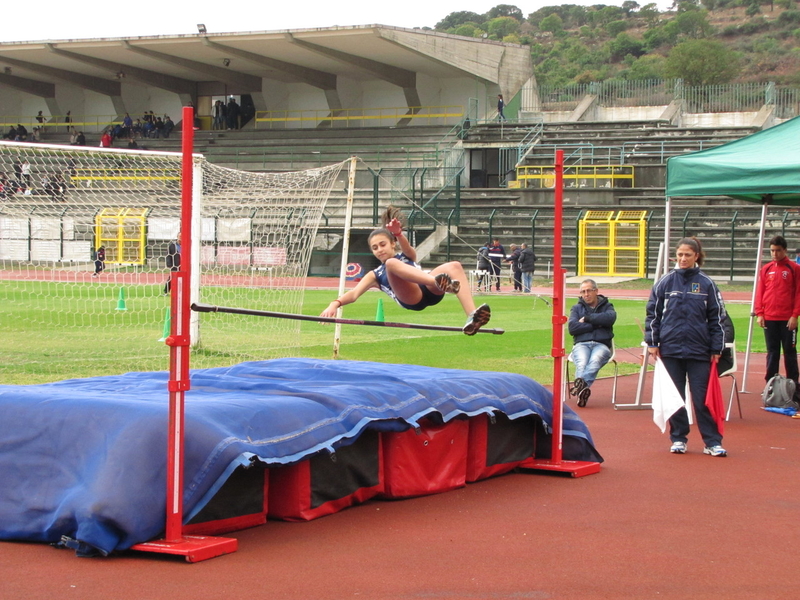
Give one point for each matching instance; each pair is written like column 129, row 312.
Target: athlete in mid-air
column 403, row 279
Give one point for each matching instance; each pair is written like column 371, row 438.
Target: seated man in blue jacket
column 591, row 323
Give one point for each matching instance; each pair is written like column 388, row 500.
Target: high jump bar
column 280, row 315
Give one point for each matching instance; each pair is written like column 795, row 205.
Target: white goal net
column 88, row 238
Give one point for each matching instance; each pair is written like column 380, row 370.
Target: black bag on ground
column 779, row 393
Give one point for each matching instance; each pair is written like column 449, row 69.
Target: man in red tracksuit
column 777, row 308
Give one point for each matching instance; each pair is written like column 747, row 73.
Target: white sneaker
column 715, row 451
column 679, row 448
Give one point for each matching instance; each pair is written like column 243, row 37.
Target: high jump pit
column 84, row 460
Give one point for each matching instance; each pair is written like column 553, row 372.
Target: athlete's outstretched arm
column 351, row 296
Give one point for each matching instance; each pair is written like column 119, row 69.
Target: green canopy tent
column 762, row 167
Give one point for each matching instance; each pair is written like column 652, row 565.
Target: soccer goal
column 90, row 236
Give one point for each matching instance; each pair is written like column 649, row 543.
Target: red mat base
column 576, row 468
column 194, row 548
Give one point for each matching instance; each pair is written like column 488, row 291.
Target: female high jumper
column 403, row 279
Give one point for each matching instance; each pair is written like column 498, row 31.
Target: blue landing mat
column 86, row 458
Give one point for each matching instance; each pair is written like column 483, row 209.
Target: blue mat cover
column 85, row 458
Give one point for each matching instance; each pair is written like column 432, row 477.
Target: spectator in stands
column 497, row 254
column 173, row 261
column 219, row 115
column 18, row 171
column 36, row 135
column 148, row 129
column 138, row 129
column 22, row 133
column 12, row 134
column 73, row 137
column 116, row 131
column 68, row 119
column 81, row 139
column 106, row 140
column 127, row 122
column 132, row 145
column 684, row 330
column 40, row 117
column 158, row 128
column 169, row 125
column 26, row 172
column 232, row 112
column 777, row 308
column 591, row 323
column 500, row 106
column 99, row 261
column 527, row 265
column 484, row 269
column 516, row 274
column 406, row 283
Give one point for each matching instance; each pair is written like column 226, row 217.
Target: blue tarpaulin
column 86, row 458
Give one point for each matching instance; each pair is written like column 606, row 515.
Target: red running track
column 649, row 525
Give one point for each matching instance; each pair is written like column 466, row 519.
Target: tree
column 502, row 26
column 505, row 10
column 649, row 66
column 616, row 27
column 694, row 24
column 554, row 24
column 650, row 14
column 702, row 62
column 624, row 44
column 455, row 19
column 468, row 30
column 630, row 7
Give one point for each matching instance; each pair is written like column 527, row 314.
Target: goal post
column 71, row 310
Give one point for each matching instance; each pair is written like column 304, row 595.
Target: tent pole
column 753, row 297
column 667, row 225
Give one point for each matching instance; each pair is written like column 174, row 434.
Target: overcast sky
column 82, row 19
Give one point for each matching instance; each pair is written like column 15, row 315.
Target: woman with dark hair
column 684, row 330
column 406, row 283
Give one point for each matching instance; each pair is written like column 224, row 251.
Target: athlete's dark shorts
column 428, row 299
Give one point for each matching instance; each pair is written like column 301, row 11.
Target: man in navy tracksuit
column 684, row 329
column 497, row 254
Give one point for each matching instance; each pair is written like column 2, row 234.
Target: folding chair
column 734, row 385
column 613, row 359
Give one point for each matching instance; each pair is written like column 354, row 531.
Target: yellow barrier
column 122, row 232
column 394, row 113
column 591, row 176
column 123, row 174
column 612, row 243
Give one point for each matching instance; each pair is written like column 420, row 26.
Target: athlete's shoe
column 678, row 448
column 715, row 451
column 477, row 319
column 583, row 396
column 446, row 284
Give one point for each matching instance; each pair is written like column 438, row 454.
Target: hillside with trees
column 704, row 43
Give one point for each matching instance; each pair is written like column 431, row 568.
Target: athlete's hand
column 395, row 227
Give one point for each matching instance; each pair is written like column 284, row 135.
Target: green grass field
column 48, row 339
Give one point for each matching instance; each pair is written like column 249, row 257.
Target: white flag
column 666, row 398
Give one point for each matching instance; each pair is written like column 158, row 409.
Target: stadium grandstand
column 418, row 108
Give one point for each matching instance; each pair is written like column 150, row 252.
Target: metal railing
column 357, row 117
column 733, row 97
